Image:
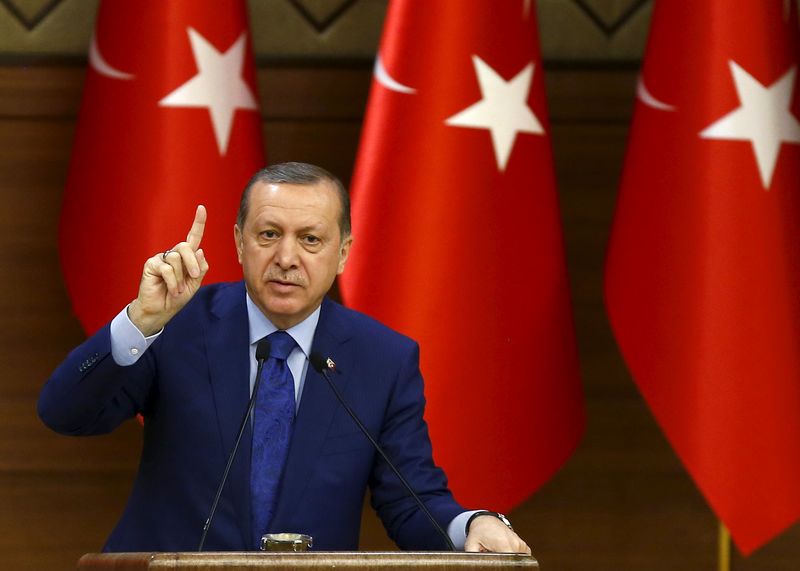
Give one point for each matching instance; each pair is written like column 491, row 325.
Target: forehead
column 288, row 202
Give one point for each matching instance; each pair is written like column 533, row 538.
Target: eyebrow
column 274, row 223
column 316, row 228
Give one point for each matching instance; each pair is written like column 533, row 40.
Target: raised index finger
column 195, row 235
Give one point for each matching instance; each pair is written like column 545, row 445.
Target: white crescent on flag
column 101, row 66
column 644, row 95
column 382, row 76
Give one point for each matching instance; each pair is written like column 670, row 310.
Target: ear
column 344, row 251
column 239, row 240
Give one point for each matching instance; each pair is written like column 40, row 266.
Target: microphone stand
column 262, row 354
column 321, row 364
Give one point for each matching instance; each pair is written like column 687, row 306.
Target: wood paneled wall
column 622, row 502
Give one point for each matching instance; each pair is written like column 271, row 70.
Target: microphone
column 262, row 354
column 322, row 364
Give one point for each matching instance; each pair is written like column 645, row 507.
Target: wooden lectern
column 285, row 561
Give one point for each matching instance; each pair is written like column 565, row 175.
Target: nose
column 286, row 253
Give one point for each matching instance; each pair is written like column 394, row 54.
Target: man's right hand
column 170, row 280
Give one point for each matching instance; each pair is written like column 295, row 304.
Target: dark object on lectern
column 297, row 542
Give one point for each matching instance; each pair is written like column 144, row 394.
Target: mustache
column 285, row 277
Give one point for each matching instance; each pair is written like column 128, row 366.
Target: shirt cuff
column 457, row 529
column 127, row 342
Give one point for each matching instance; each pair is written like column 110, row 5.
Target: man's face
column 290, row 248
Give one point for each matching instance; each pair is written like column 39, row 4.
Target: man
column 181, row 355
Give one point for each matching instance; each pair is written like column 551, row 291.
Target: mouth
column 282, row 285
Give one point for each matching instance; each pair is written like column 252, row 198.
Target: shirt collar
column 260, row 327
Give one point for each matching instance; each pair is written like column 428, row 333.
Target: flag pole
column 723, row 548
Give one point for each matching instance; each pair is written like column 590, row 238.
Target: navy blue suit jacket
column 192, row 386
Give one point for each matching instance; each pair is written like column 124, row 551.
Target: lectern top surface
column 339, row 560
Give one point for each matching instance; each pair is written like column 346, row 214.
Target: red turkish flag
column 703, row 275
column 458, row 241
column 169, row 120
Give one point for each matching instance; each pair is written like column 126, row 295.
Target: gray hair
column 301, row 174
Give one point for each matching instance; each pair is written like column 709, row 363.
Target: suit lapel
column 314, row 416
column 228, row 350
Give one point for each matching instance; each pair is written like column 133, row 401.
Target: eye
column 311, row 239
column 269, row 234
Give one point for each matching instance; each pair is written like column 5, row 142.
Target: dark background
column 623, row 501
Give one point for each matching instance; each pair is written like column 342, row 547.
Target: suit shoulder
column 220, row 291
column 218, row 299
column 362, row 326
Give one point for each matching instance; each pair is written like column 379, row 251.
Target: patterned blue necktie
column 273, row 419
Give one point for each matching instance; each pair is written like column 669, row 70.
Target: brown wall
column 622, row 502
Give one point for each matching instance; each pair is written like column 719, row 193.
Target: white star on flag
column 763, row 118
column 218, row 85
column 503, row 110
